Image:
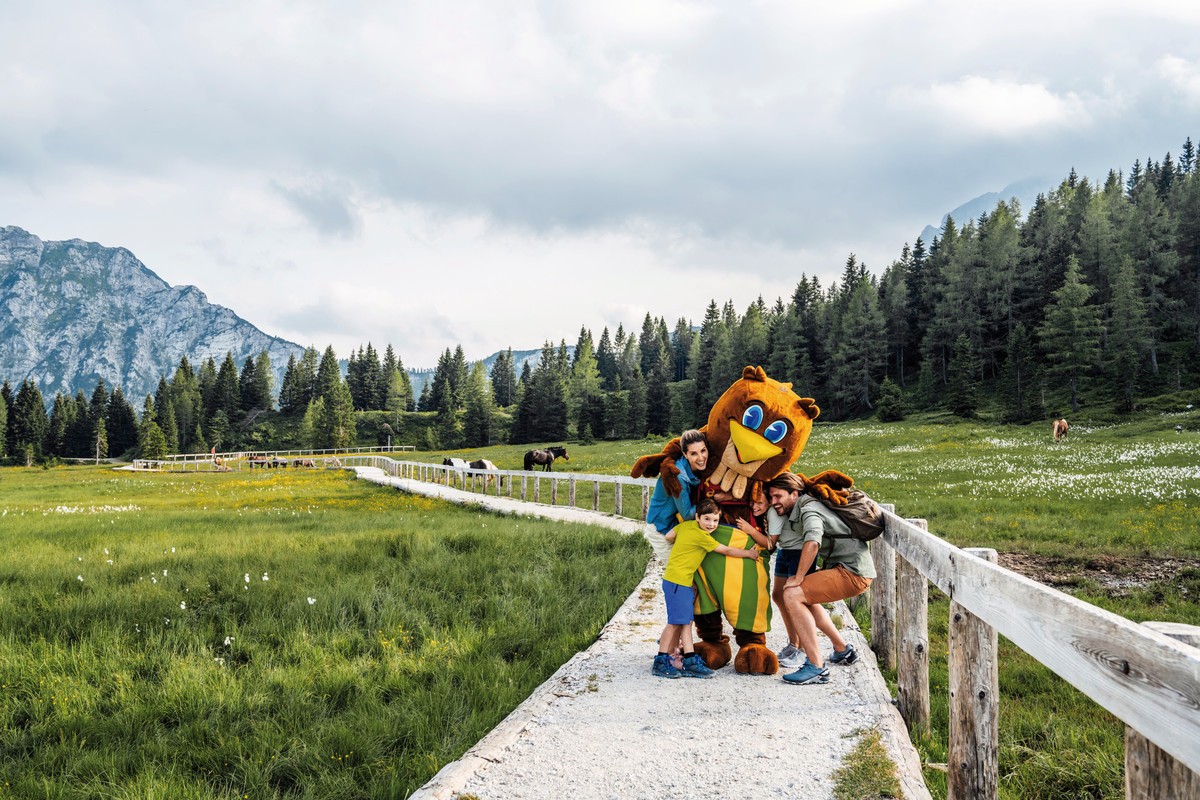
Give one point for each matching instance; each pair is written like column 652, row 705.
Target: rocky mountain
column 1025, row 192
column 72, row 312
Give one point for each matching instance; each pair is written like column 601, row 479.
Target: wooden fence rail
column 501, row 482
column 1146, row 678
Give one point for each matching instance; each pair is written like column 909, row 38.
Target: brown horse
column 545, row 458
column 1059, row 429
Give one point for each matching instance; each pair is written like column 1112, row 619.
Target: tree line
column 1092, row 297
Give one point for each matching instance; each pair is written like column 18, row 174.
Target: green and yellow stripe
column 739, row 586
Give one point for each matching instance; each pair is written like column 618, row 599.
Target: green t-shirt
column 692, row 544
column 809, row 521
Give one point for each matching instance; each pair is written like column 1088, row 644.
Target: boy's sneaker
column 694, row 667
column 793, row 659
column 789, row 649
column 808, row 673
column 663, row 667
column 844, row 658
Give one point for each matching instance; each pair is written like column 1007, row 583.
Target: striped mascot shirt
column 739, row 586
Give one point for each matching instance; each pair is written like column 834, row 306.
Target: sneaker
column 789, row 649
column 663, row 667
column 793, row 659
column 844, row 658
column 808, row 673
column 694, row 667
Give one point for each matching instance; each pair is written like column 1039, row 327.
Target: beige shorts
column 658, row 543
column 830, row 585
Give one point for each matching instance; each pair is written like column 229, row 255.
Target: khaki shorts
column 829, row 585
column 658, row 542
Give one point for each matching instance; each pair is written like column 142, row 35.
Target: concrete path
column 603, row 727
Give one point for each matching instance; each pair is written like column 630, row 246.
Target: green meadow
column 301, row 634
column 1111, row 515
column 272, row 634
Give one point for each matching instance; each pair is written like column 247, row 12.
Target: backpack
column 862, row 516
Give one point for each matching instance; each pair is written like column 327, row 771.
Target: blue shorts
column 679, row 603
column 787, row 563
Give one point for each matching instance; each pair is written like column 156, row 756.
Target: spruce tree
column 30, row 423
column 606, row 361
column 60, row 421
column 120, row 422
column 1070, row 334
column 963, row 388
column 6, row 433
column 1020, row 377
column 478, row 427
column 329, row 375
column 504, row 379
column 99, row 440
column 1128, row 336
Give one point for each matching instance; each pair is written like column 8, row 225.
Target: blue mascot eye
column 775, row 431
column 752, row 417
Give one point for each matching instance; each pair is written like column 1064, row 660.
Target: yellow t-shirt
column 692, row 544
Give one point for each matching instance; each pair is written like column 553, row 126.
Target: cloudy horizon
column 495, row 176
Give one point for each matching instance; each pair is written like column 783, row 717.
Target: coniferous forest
column 1091, row 298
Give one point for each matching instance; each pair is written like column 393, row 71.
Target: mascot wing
column 661, row 464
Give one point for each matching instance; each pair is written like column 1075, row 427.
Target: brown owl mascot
column 756, row 430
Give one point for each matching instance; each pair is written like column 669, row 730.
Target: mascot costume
column 756, row 430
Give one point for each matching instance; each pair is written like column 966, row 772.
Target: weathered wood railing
column 210, row 461
column 503, row 482
column 1146, row 675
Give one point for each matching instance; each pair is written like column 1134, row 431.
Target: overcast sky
column 497, row 174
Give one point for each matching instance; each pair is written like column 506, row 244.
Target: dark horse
column 545, row 458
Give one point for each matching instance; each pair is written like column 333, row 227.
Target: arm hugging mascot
column 756, row 430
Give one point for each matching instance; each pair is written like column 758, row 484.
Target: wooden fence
column 607, row 493
column 219, row 462
column 1146, row 675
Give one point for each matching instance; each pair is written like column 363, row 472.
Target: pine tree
column 29, row 423
column 60, row 422
column 606, row 361
column 247, row 390
column 310, row 425
column 329, row 375
column 1128, row 335
column 220, row 431
column 504, row 379
column 1187, row 157
column 1020, row 376
column 478, row 427
column 120, row 422
column 165, row 416
column 226, row 394
column 373, row 386
column 891, row 407
column 99, row 440
column 264, row 382
column 1070, row 334
column 963, row 389
column 337, row 425
column 6, row 401
column 583, row 390
column 681, row 347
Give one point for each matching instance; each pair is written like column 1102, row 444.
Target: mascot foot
column 755, row 659
column 715, row 654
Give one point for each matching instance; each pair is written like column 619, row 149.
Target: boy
column 693, row 540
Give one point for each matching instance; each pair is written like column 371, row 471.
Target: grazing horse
column 545, row 458
column 1059, row 429
column 483, row 463
column 457, row 463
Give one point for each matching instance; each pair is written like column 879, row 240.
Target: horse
column 545, row 458
column 484, row 464
column 1059, row 428
column 457, row 463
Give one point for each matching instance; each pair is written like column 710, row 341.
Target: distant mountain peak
column 1026, row 191
column 72, row 312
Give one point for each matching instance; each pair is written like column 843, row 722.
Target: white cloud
column 998, row 106
column 1183, row 75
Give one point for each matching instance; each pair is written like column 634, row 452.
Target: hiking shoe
column 808, row 673
column 663, row 667
column 789, row 649
column 694, row 667
column 844, row 658
column 793, row 659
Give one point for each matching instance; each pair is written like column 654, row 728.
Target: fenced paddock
column 1146, row 675
column 236, row 460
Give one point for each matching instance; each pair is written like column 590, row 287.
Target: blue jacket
column 664, row 509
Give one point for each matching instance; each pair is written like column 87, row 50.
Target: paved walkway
column 603, row 727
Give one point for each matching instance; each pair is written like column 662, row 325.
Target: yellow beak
column 750, row 446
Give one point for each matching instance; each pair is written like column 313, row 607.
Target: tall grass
column 276, row 634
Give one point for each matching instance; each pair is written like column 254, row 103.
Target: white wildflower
column 312, row 600
column 265, row 578
column 183, row 606
column 79, row 578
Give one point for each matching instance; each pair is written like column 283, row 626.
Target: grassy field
column 295, row 633
column 1111, row 515
column 277, row 634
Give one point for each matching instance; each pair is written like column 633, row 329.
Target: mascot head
column 756, row 430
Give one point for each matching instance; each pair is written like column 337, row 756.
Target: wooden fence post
column 1151, row 773
column 883, row 601
column 571, row 491
column 595, row 495
column 645, row 501
column 554, row 491
column 537, row 489
column 912, row 679
column 619, row 499
column 974, row 752
column 524, row 486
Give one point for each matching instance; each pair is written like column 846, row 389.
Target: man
column 806, row 530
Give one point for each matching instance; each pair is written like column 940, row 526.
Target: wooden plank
column 1146, row 679
column 973, row 760
column 883, row 604
column 571, row 491
column 595, row 495
column 912, row 631
column 618, row 490
column 1151, row 773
